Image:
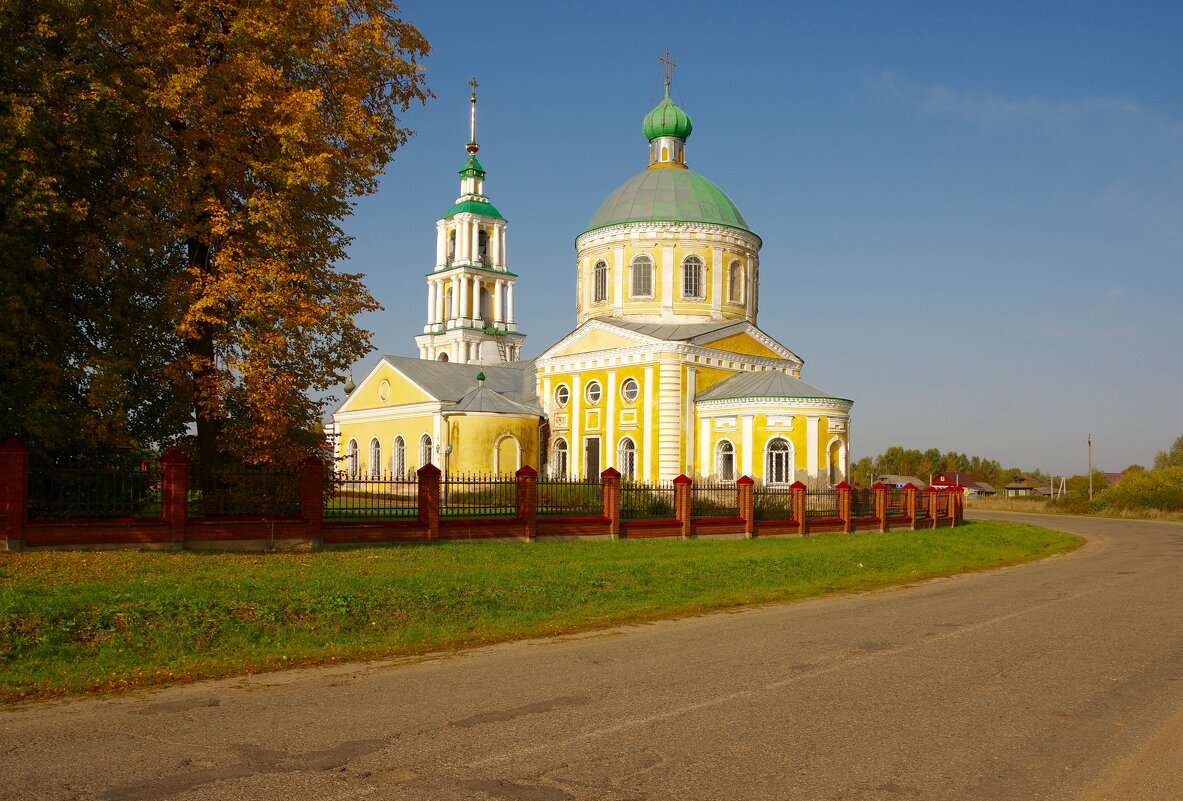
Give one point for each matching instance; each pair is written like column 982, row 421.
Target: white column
column 618, row 271
column 688, row 418
column 441, row 252
column 667, row 278
column 498, row 292
column 476, row 241
column 811, row 442
column 440, row 313
column 610, row 425
column 462, row 251
column 503, row 248
column 705, row 466
column 576, row 454
column 747, row 442
column 455, row 296
column 509, row 303
column 718, row 280
column 647, row 444
column 497, row 261
column 464, row 307
column 430, row 302
column 752, row 290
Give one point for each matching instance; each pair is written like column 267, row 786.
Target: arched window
column 559, row 458
column 626, row 459
column 735, row 282
column 451, row 247
column 375, row 458
column 725, row 461
column 642, row 283
column 398, row 458
column 779, row 463
column 352, row 466
column 692, row 277
column 425, row 450
column 600, row 280
column 443, row 357
column 483, row 248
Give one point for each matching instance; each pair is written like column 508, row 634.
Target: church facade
column 665, row 373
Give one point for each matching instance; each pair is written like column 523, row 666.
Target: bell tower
column 470, row 313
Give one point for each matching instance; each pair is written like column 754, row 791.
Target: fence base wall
column 639, row 529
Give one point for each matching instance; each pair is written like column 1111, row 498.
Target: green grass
column 74, row 622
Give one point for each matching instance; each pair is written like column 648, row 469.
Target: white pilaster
column 430, row 304
column 647, row 445
column 463, row 246
column 464, row 307
column 441, row 253
column 706, row 466
column 498, row 292
column 440, row 314
column 509, row 303
column 610, row 425
column 667, row 279
column 669, row 420
column 747, row 424
column 455, row 297
column 812, row 422
column 718, row 280
column 575, row 406
column 497, row 259
column 688, row 419
column 618, row 272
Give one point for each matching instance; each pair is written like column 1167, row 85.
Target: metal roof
column 451, row 382
column 764, row 384
column 668, row 196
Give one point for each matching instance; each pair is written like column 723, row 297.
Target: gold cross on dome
column 474, row 85
column 668, row 64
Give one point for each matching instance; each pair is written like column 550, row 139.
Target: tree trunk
column 204, row 381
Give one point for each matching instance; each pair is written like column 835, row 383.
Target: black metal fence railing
column 773, row 502
column 821, row 504
column 862, row 502
column 714, row 499
column 349, row 497
column 647, row 501
column 569, row 497
column 59, row 493
column 246, row 491
column 478, row 495
column 897, row 506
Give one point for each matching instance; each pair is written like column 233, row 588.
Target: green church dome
column 667, row 120
column 668, row 195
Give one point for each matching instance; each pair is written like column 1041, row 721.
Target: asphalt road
column 1056, row 680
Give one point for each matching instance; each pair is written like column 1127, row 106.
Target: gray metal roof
column 483, row 399
column 764, row 384
column 673, row 332
column 451, row 382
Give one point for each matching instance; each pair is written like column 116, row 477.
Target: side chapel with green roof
column 665, row 373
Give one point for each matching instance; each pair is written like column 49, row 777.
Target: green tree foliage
column 172, row 176
column 897, row 460
column 1172, row 457
column 1160, row 488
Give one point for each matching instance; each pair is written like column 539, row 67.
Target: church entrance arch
column 507, row 454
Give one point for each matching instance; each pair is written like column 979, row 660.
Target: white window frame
column 426, row 450
column 735, row 282
column 626, row 459
column 777, row 455
column 641, row 282
column 692, row 283
column 600, row 282
column 593, row 386
column 562, row 396
column 719, row 453
column 560, row 458
column 375, row 458
column 636, row 390
column 398, row 457
column 352, row 459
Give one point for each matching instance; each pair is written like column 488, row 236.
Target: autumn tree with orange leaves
column 244, row 128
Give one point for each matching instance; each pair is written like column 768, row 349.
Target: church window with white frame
column 692, row 277
column 600, row 282
column 375, row 458
column 559, row 463
column 642, row 277
column 593, row 392
column 398, row 458
column 630, row 390
column 725, row 461
column 562, row 395
column 425, row 450
column 626, row 459
column 778, row 467
column 352, row 462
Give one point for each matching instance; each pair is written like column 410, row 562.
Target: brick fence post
column 174, row 494
column 958, row 500
column 798, row 497
column 910, row 503
column 429, row 500
column 14, row 493
column 610, row 500
column 844, row 507
column 527, row 478
column 746, row 488
column 312, row 494
column 880, row 490
column 682, row 486
column 930, row 496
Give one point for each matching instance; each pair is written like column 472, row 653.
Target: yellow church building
column 666, row 372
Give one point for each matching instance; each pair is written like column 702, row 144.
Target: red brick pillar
column 747, row 504
column 312, row 494
column 798, row 490
column 174, row 493
column 610, row 499
column 910, row 503
column 682, row 486
column 930, row 499
column 528, row 498
column 958, row 500
column 844, row 507
column 429, row 500
column 880, row 504
column 14, row 493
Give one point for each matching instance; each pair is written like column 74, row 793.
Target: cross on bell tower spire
column 472, row 146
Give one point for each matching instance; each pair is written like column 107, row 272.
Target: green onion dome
column 667, row 120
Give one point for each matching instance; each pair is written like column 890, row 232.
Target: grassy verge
column 75, row 622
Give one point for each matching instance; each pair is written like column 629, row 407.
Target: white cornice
column 726, row 405
column 396, row 412
column 667, row 230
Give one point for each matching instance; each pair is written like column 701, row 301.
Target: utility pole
column 1090, row 467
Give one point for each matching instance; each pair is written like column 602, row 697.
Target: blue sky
column 972, row 217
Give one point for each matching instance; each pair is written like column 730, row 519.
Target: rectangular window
column 642, row 280
column 601, row 283
column 691, row 281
